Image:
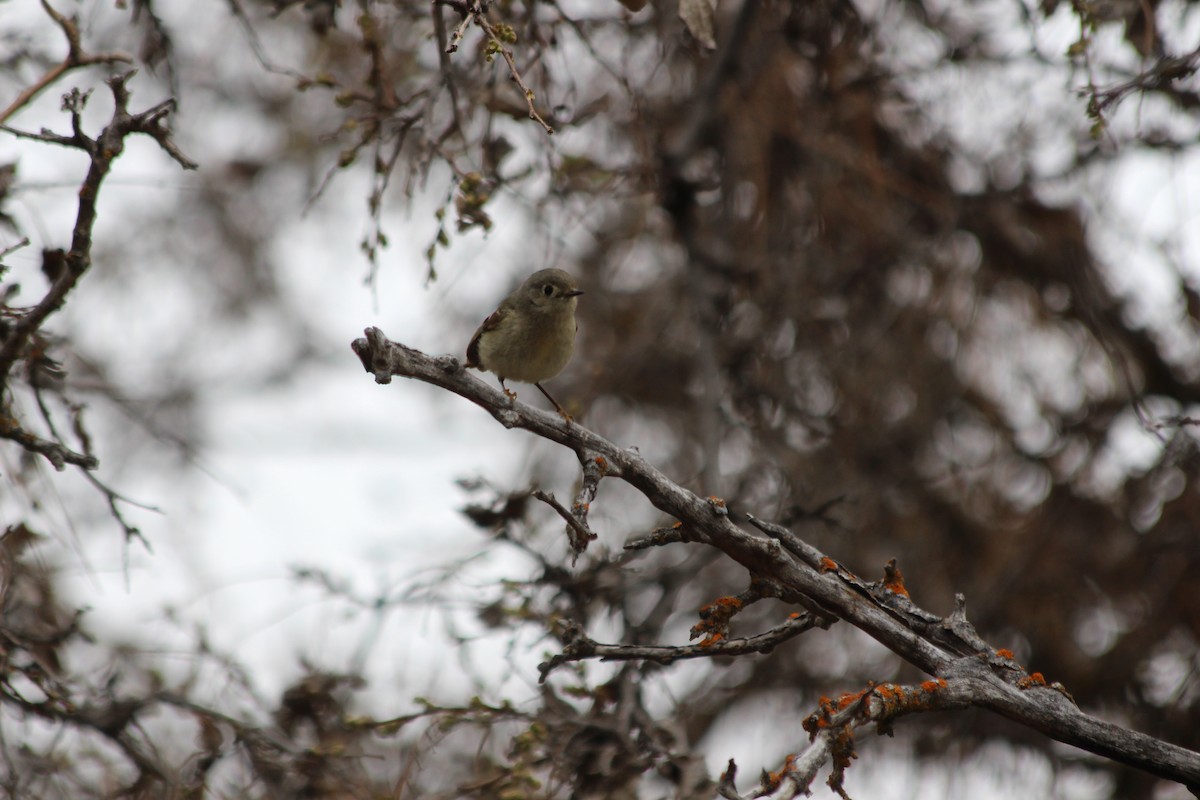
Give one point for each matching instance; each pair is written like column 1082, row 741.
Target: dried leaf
column 698, row 15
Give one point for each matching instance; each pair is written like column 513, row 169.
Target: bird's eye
column 547, row 290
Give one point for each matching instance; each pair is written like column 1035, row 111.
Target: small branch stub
column 375, row 353
column 578, row 532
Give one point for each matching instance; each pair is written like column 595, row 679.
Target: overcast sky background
column 332, row 471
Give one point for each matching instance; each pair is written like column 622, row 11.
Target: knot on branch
column 375, row 353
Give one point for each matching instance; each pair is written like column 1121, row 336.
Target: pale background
column 327, row 470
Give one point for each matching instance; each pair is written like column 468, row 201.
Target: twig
column 260, row 52
column 76, row 57
column 716, row 616
column 14, row 248
column 477, row 12
column 595, row 468
column 832, row 729
column 575, row 25
column 103, row 150
column 794, row 544
column 444, row 51
column 113, row 497
column 45, row 135
column 1161, row 77
column 57, row 454
column 578, row 532
column 658, row 537
column 85, row 439
column 580, row 647
column 468, row 13
column 516, row 75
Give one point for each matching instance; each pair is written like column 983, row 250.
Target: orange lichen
column 716, row 501
column 893, row 579
column 841, row 754
column 602, row 463
column 828, row 564
column 819, row 719
column 847, row 699
column 827, row 708
column 772, row 780
column 794, row 615
column 711, row 639
column 1004, row 652
column 714, row 617
column 1029, row 681
column 897, row 699
column 725, row 602
column 889, row 692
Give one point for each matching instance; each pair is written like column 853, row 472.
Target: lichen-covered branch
column 579, row 647
column 947, row 648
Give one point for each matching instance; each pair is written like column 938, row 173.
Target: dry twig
column 76, row 57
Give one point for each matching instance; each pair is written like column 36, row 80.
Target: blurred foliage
column 855, row 269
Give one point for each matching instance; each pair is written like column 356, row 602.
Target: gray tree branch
column 947, row 649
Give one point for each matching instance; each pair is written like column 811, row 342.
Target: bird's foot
column 562, row 412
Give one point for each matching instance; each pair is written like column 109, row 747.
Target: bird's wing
column 489, row 324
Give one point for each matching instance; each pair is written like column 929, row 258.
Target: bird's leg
column 512, row 396
column 565, row 415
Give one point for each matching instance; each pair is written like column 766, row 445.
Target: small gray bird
column 531, row 336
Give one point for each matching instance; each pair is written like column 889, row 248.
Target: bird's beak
column 573, row 293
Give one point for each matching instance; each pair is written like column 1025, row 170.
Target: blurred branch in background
column 21, row 329
column 76, row 58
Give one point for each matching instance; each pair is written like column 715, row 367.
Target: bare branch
column 14, row 247
column 57, row 454
column 475, row 12
column 516, row 76
column 658, row 537
column 468, row 12
column 113, row 497
column 595, row 469
column 579, row 647
column 578, row 532
column 76, row 57
column 831, row 730
column 1168, row 76
column 44, row 135
column 801, row 574
column 104, row 149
